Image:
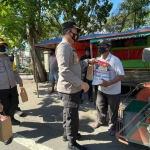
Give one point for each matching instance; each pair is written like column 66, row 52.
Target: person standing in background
column 53, row 76
column 18, row 111
column 8, row 88
column 84, row 73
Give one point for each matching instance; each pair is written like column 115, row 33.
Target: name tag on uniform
column 77, row 59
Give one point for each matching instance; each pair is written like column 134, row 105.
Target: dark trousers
column 70, row 115
column 9, row 100
column 90, row 91
column 105, row 102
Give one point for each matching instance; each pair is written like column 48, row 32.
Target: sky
column 115, row 3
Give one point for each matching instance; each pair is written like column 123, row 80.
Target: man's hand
column 22, row 89
column 92, row 61
column 85, row 86
column 115, row 80
column 1, row 107
column 105, row 83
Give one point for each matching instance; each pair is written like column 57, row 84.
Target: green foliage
column 31, row 21
column 46, row 16
column 89, row 15
column 129, row 14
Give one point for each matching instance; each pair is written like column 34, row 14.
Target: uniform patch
column 77, row 59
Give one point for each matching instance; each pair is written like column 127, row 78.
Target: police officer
column 9, row 76
column 70, row 83
column 18, row 110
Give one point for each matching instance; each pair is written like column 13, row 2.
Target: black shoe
column 8, row 141
column 65, row 137
column 14, row 121
column 20, row 113
column 81, row 101
column 90, row 99
column 76, row 146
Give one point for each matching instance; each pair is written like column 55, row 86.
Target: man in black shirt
column 84, row 72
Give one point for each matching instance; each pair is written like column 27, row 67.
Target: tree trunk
column 37, row 63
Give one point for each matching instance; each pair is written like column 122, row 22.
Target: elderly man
column 108, row 95
column 70, row 83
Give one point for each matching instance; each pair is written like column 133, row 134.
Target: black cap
column 104, row 43
column 87, row 49
column 67, row 25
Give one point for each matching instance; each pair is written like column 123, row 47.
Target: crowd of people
column 68, row 73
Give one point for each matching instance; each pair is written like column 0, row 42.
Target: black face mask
column 102, row 50
column 75, row 37
column 87, row 56
column 2, row 49
column 51, row 53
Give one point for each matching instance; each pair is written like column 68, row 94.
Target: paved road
column 42, row 128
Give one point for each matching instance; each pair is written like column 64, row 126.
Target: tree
column 90, row 15
column 36, row 20
column 129, row 14
column 23, row 20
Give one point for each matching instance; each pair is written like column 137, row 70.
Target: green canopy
column 113, row 37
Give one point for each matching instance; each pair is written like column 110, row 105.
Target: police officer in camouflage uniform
column 70, row 83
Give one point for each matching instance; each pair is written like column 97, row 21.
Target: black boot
column 8, row 141
column 14, row 121
column 20, row 113
column 76, row 146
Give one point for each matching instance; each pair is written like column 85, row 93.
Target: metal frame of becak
column 132, row 124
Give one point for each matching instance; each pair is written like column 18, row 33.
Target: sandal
column 96, row 125
column 111, row 132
